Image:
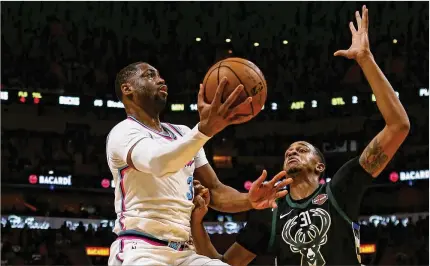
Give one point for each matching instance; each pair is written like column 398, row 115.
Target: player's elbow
column 400, row 129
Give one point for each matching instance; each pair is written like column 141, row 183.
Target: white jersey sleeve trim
column 163, row 160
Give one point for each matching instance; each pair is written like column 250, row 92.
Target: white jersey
column 157, row 206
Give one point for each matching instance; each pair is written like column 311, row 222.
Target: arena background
column 59, row 62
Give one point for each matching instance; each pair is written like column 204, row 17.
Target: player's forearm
column 202, row 241
column 228, row 199
column 388, row 104
column 163, row 160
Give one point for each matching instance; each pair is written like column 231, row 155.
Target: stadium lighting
column 198, row 39
column 227, row 40
column 256, row 44
column 394, row 41
column 285, row 42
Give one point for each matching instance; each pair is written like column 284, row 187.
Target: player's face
column 300, row 157
column 150, row 88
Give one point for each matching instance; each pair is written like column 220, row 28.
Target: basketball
column 238, row 71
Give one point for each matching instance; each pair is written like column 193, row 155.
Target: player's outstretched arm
column 149, row 156
column 382, row 148
column 235, row 255
column 227, row 199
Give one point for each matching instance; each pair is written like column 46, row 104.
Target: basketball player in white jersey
column 153, row 166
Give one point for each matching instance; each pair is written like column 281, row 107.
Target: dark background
column 76, row 49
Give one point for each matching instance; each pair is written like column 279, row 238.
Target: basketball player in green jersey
column 318, row 224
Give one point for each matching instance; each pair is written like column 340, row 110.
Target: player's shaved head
column 124, row 76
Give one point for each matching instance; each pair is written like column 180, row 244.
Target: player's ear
column 126, row 89
column 320, row 167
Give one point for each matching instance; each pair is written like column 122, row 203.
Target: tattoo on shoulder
column 373, row 157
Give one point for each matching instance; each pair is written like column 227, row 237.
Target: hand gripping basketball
column 216, row 116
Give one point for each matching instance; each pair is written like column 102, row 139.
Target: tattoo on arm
column 373, row 157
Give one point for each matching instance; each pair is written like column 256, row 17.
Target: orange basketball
column 238, row 71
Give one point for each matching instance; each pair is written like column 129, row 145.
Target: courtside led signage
column 97, row 251
column 175, row 107
column 297, row 105
column 424, row 92
column 367, row 248
column 68, row 100
column 4, row 95
column 114, row 104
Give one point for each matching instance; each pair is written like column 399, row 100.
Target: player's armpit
column 129, row 160
column 237, row 255
column 382, row 148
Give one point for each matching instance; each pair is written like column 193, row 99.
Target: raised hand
column 216, row 116
column 359, row 48
column 264, row 195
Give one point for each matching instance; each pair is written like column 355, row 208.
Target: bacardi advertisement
column 51, row 180
column 409, row 175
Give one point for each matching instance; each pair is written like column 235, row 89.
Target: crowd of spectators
column 78, row 48
column 396, row 244
column 53, row 246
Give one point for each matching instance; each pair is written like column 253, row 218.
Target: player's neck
column 302, row 188
column 144, row 117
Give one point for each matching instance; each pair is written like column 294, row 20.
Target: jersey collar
column 304, row 204
column 166, row 133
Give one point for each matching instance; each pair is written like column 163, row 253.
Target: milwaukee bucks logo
column 309, row 242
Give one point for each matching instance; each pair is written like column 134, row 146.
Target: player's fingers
column 196, row 201
column 200, row 98
column 365, row 22
column 284, row 183
column 230, row 100
column 204, row 193
column 352, row 28
column 199, row 189
column 358, row 18
column 219, row 92
column 198, row 186
column 200, row 204
column 257, row 183
column 236, row 110
column 281, row 194
column 239, row 119
column 206, row 196
column 341, row 53
column 233, row 115
column 277, row 177
column 274, row 205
